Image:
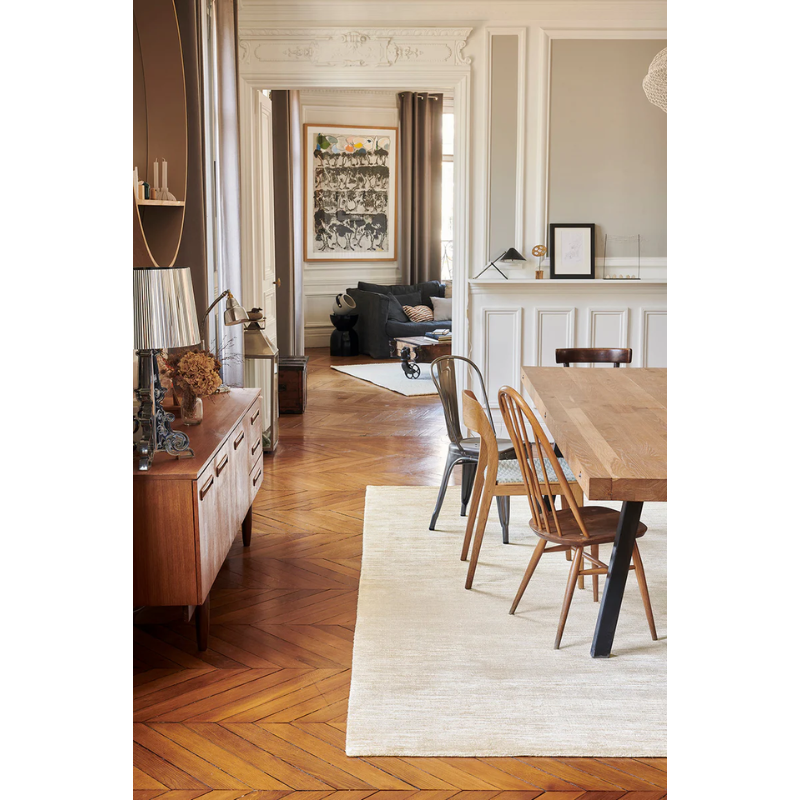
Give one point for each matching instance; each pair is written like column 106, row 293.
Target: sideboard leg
column 247, row 527
column 202, row 618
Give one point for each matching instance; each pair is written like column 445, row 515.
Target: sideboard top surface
column 221, row 413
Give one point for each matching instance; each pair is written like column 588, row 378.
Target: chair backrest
column 593, row 355
column 475, row 419
column 515, row 413
column 443, row 372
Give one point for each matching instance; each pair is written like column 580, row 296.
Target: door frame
column 448, row 79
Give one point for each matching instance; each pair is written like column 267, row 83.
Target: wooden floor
column 262, row 713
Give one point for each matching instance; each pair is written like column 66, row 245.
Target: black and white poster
column 350, row 193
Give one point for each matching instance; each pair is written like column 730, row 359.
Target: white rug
column 442, row 671
column 392, row 377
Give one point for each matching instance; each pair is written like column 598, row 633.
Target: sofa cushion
column 396, row 330
column 442, row 308
column 396, row 303
column 420, row 313
column 427, row 289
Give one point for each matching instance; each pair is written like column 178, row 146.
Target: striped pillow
column 419, row 313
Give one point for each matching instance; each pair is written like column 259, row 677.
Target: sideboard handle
column 205, row 489
column 238, row 440
column 255, row 480
column 254, row 447
column 218, row 469
column 255, row 417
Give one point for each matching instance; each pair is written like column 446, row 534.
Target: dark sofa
column 375, row 329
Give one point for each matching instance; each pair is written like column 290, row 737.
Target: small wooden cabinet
column 187, row 512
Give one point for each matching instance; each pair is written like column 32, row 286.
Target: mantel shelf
column 160, row 203
column 565, row 281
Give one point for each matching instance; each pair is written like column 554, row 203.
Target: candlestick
column 155, row 188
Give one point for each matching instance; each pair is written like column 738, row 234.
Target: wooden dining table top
column 610, row 425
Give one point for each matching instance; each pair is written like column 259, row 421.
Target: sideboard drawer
column 254, row 426
column 256, row 478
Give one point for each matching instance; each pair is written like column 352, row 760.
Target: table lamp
column 164, row 315
column 510, row 255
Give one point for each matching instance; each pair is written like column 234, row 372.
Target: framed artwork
column 350, row 197
column 572, row 250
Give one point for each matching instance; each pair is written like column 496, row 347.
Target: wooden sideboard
column 186, row 512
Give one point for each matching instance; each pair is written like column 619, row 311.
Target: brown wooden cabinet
column 186, row 512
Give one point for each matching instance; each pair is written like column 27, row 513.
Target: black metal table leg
column 614, row 587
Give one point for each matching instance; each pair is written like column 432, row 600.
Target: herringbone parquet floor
column 262, row 713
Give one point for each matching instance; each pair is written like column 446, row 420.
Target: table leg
column 614, row 588
column 202, row 618
column 247, row 527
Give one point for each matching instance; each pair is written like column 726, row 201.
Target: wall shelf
column 160, row 203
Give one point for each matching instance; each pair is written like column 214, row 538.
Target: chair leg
column 595, row 551
column 483, row 515
column 642, row 581
column 468, row 470
column 504, row 512
column 577, row 563
column 477, row 489
column 526, row 578
column 448, row 468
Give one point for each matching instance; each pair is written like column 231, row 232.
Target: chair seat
column 472, row 446
column 601, row 524
column 509, row 471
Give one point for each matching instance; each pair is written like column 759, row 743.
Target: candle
column 155, row 175
column 165, row 185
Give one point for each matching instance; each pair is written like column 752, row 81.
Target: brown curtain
column 420, row 223
column 192, row 252
column 288, row 308
column 229, row 212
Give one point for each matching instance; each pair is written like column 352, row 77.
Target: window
column 448, row 139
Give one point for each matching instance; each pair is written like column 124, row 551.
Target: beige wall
column 608, row 144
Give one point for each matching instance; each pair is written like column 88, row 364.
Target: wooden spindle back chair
column 572, row 527
column 494, row 479
column 594, row 355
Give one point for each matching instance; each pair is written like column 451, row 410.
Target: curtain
column 192, row 252
column 420, row 206
column 229, row 212
column 287, row 181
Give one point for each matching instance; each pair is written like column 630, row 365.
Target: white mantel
column 520, row 322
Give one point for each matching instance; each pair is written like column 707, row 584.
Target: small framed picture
column 572, row 250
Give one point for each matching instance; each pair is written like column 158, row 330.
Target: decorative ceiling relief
column 365, row 47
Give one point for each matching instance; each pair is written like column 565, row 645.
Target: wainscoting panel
column 608, row 327
column 654, row 337
column 501, row 349
column 555, row 327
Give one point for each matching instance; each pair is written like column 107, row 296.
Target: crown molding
column 348, row 47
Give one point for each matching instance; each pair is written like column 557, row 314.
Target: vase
column 192, row 411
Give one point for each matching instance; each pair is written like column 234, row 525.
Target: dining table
column 611, row 427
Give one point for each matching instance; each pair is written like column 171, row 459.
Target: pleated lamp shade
column 164, row 314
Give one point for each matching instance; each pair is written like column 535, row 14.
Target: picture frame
column 350, row 193
column 572, row 250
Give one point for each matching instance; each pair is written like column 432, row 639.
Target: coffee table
column 416, row 350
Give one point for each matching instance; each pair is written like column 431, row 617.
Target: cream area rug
column 442, row 671
column 392, row 377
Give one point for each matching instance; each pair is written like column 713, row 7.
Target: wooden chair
column 593, row 355
column 574, row 527
column 495, row 478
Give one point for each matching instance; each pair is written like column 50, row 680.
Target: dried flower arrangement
column 195, row 373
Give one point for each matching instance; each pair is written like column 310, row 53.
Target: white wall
column 324, row 280
column 416, row 45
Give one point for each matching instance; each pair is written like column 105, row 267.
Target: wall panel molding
column 501, row 349
column 554, row 327
column 608, row 327
column 653, row 337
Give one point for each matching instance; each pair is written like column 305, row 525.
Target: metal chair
column 464, row 450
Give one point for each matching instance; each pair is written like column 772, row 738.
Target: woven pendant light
column 655, row 82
